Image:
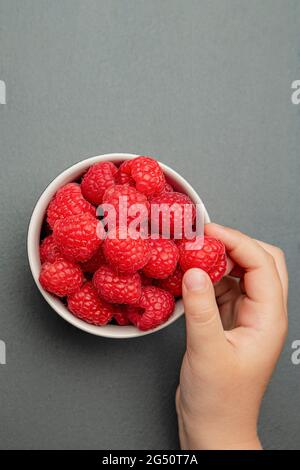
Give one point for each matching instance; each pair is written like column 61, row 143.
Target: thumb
column 205, row 334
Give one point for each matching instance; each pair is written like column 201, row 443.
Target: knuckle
column 240, row 234
column 270, row 259
column 279, row 253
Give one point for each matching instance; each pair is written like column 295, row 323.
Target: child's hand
column 235, row 333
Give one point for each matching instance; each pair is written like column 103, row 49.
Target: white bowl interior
column 33, row 240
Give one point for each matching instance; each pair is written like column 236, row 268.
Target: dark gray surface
column 205, row 87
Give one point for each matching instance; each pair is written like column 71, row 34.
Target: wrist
column 218, row 436
column 217, row 441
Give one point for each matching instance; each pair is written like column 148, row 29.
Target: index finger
column 261, row 280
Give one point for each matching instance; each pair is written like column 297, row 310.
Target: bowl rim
column 33, row 237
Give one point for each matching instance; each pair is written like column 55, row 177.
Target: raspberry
column 172, row 218
column 173, row 283
column 87, row 305
column 211, row 257
column 147, row 174
column 96, row 180
column 120, row 316
column 117, row 288
column 163, row 259
column 133, row 314
column 143, row 172
column 126, row 254
column 131, row 197
column 154, row 308
column 61, row 277
column 167, row 188
column 123, row 176
column 94, row 263
column 68, row 201
column 78, row 236
column 49, row 250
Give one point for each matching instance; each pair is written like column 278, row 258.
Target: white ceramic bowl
column 36, row 221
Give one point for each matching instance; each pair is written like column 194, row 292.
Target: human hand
column 235, row 333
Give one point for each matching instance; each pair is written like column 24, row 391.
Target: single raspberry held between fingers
column 211, row 256
column 117, row 288
column 68, row 201
column 173, row 283
column 96, row 180
column 87, row 305
column 61, row 277
column 49, row 250
column 127, row 198
column 163, row 259
column 126, row 254
column 154, row 308
column 94, row 263
column 78, row 236
column 177, row 212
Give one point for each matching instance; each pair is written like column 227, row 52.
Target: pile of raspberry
column 122, row 279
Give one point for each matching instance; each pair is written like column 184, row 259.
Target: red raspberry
column 78, row 236
column 147, row 174
column 117, row 288
column 133, row 314
column 61, row 277
column 126, row 254
column 173, row 283
column 49, row 250
column 168, row 188
column 123, row 175
column 96, row 180
column 68, row 201
column 87, row 305
column 94, row 263
column 121, row 315
column 143, row 172
column 154, row 308
column 172, row 218
column 163, row 259
column 131, row 197
column 211, row 257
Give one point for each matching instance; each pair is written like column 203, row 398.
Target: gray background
column 205, row 87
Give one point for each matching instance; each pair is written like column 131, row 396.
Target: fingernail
column 195, row 279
